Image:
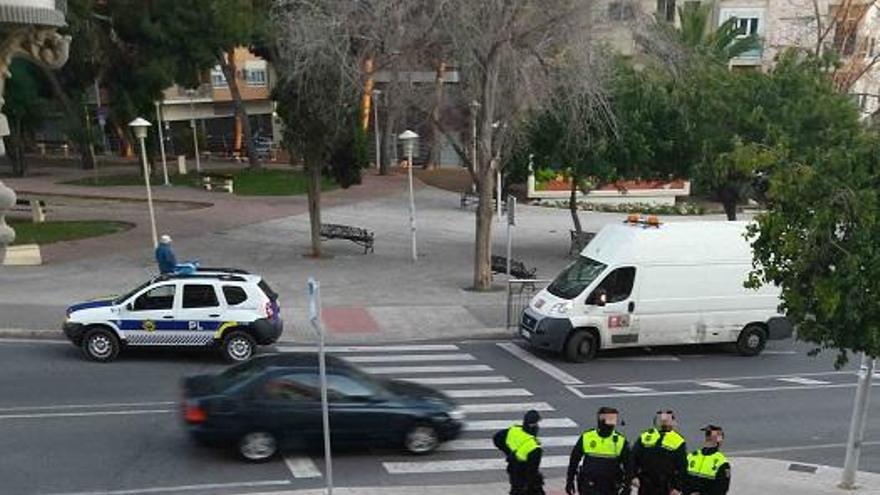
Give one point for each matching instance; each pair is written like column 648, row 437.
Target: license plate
column 525, row 333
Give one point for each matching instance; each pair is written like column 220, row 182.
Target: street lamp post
column 409, row 140
column 162, row 143
column 375, row 94
column 192, row 123
column 140, row 127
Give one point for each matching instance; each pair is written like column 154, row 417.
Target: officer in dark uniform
column 523, row 452
column 659, row 457
column 605, row 455
column 708, row 472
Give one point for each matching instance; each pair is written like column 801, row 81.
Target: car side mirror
column 129, row 306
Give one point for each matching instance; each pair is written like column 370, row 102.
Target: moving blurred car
column 225, row 308
column 273, row 402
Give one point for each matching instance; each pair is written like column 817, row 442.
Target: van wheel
column 751, row 340
column 581, row 347
column 100, row 344
column 238, row 347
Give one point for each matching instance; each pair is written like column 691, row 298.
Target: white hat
column 165, row 239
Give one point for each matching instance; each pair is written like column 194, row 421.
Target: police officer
column 523, row 452
column 659, row 457
column 605, row 453
column 708, row 472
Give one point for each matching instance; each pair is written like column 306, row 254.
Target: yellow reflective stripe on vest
column 520, row 443
column 596, row 446
column 650, row 437
column 705, row 466
column 671, row 439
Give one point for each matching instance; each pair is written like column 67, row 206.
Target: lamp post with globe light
column 141, row 127
column 409, row 140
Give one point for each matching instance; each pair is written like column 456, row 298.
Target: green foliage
column 26, row 107
column 819, row 242
column 351, row 154
column 721, row 44
column 545, row 174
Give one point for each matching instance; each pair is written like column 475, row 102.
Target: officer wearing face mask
column 605, row 455
column 708, row 472
column 523, row 452
column 659, row 457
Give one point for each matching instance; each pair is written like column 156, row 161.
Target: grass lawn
column 264, row 182
column 27, row 232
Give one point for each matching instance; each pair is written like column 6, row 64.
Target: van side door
column 669, row 303
column 615, row 299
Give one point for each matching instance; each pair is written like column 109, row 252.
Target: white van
column 646, row 284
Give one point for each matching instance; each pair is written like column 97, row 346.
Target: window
column 234, row 294
column 346, row 387
column 746, row 26
column 218, row 80
column 264, row 286
column 158, row 298
column 298, row 387
column 617, row 285
column 666, row 10
column 576, row 277
column 199, row 296
column 255, row 77
column 621, row 11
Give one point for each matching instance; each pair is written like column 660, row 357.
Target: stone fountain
column 28, row 28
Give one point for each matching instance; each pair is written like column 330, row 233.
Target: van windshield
column 576, row 277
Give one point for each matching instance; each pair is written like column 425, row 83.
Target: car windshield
column 121, row 299
column 576, row 277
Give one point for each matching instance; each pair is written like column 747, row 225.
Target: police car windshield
column 576, row 277
column 121, row 299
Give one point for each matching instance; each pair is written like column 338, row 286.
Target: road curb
column 24, row 333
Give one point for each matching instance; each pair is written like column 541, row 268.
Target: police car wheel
column 751, row 340
column 257, row 446
column 421, row 439
column 581, row 347
column 100, row 344
column 238, row 346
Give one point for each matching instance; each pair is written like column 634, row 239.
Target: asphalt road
column 70, row 426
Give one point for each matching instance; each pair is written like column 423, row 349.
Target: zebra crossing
column 490, row 399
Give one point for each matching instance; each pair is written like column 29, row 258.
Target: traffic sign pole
column 315, row 318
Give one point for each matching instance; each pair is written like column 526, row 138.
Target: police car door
column 149, row 314
column 199, row 313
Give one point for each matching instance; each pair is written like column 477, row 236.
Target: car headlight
column 457, row 414
column 560, row 309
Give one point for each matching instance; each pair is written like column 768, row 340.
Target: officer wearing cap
column 523, row 452
column 659, row 457
column 708, row 472
column 605, row 455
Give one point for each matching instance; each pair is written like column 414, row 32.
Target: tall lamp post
column 375, row 94
column 141, row 127
column 162, row 143
column 192, row 123
column 409, row 140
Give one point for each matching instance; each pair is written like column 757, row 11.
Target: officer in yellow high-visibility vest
column 659, row 457
column 708, row 472
column 605, row 455
column 522, row 449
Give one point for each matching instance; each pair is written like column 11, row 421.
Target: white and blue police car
column 225, row 308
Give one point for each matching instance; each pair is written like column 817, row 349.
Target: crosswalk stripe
column 416, row 467
column 719, row 385
column 487, row 444
column 370, row 348
column 506, row 407
column 450, row 368
column 803, row 381
column 487, row 392
column 458, row 380
column 497, row 424
column 302, row 467
column 404, row 358
column 632, row 389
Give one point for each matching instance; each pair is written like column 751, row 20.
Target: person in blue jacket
column 165, row 255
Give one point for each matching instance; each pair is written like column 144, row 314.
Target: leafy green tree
column 26, row 108
column 819, row 243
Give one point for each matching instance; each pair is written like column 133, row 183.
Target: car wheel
column 257, row 446
column 238, row 346
column 421, row 439
column 751, row 340
column 100, row 344
column 581, row 347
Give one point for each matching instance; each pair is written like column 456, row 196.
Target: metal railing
column 519, row 293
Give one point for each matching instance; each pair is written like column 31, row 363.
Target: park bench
column 357, row 235
column 222, row 182
column 36, row 207
column 517, row 268
column 578, row 243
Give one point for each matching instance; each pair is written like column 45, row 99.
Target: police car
column 225, row 308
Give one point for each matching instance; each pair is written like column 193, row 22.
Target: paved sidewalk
column 751, row 476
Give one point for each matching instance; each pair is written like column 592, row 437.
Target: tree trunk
column 313, row 169
column 573, row 206
column 389, row 139
column 15, row 150
column 73, row 119
column 227, row 65
column 437, row 135
column 729, row 199
column 483, row 244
